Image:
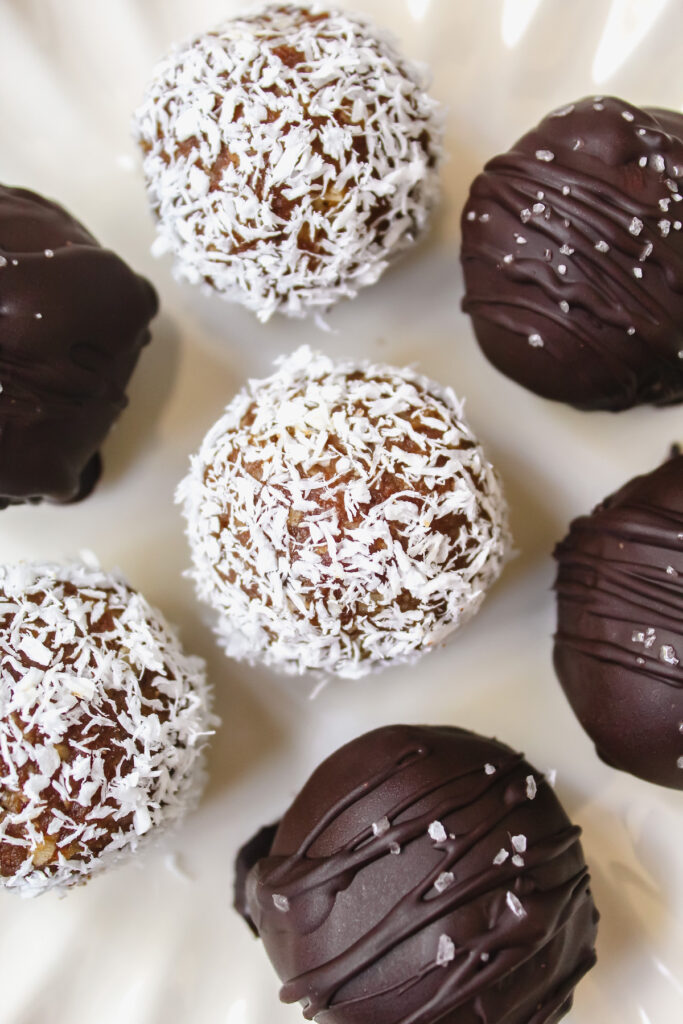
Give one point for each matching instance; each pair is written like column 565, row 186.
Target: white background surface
column 156, row 942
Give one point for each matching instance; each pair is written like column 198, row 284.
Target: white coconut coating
column 288, row 155
column 103, row 718
column 342, row 517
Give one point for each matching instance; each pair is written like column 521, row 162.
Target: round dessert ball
column 423, row 874
column 289, row 155
column 74, row 318
column 342, row 517
column 619, row 640
column 573, row 256
column 103, row 718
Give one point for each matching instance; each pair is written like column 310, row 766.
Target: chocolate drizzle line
column 73, row 319
column 610, row 181
column 619, row 640
column 423, row 775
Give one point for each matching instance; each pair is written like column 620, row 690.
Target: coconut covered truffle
column 73, row 320
column 619, row 641
column 423, row 875
column 288, row 155
column 573, row 256
column 102, row 722
column 342, row 517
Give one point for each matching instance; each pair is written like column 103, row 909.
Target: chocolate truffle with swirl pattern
column 73, row 318
column 619, row 641
column 573, row 256
column 424, row 875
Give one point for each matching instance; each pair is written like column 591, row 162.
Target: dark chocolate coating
column 617, row 339
column 358, row 939
column 619, row 641
column 73, row 318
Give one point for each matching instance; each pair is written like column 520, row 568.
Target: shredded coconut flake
column 288, row 155
column 342, row 517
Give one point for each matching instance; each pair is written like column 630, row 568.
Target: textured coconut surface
column 155, row 940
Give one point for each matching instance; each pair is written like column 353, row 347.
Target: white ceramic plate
column 157, row 942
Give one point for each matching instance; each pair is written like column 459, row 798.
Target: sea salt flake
column 544, row 155
column 601, row 246
column 565, row 190
column 437, row 832
column 445, row 951
column 489, row 769
column 531, row 787
column 636, row 226
column 525, row 216
column 536, row 341
column 538, row 207
column 564, row 306
column 637, row 272
column 566, row 250
column 394, row 849
column 657, row 162
column 627, row 115
column 380, row 827
column 515, row 905
column 667, row 654
column 519, row 843
column 501, row 857
column 280, row 902
column 471, row 215
column 561, row 269
column 445, row 879
column 518, row 861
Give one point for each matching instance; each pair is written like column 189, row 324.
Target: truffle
column 573, row 256
column 425, row 874
column 289, row 155
column 342, row 517
column 74, row 318
column 102, row 722
column 619, row 641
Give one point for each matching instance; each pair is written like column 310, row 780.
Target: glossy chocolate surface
column 423, row 875
column 73, row 318
column 573, row 256
column 619, row 641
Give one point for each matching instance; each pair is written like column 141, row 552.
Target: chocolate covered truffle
column 423, row 875
column 573, row 256
column 342, row 517
column 102, row 722
column 619, row 641
column 74, row 318
column 289, row 155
